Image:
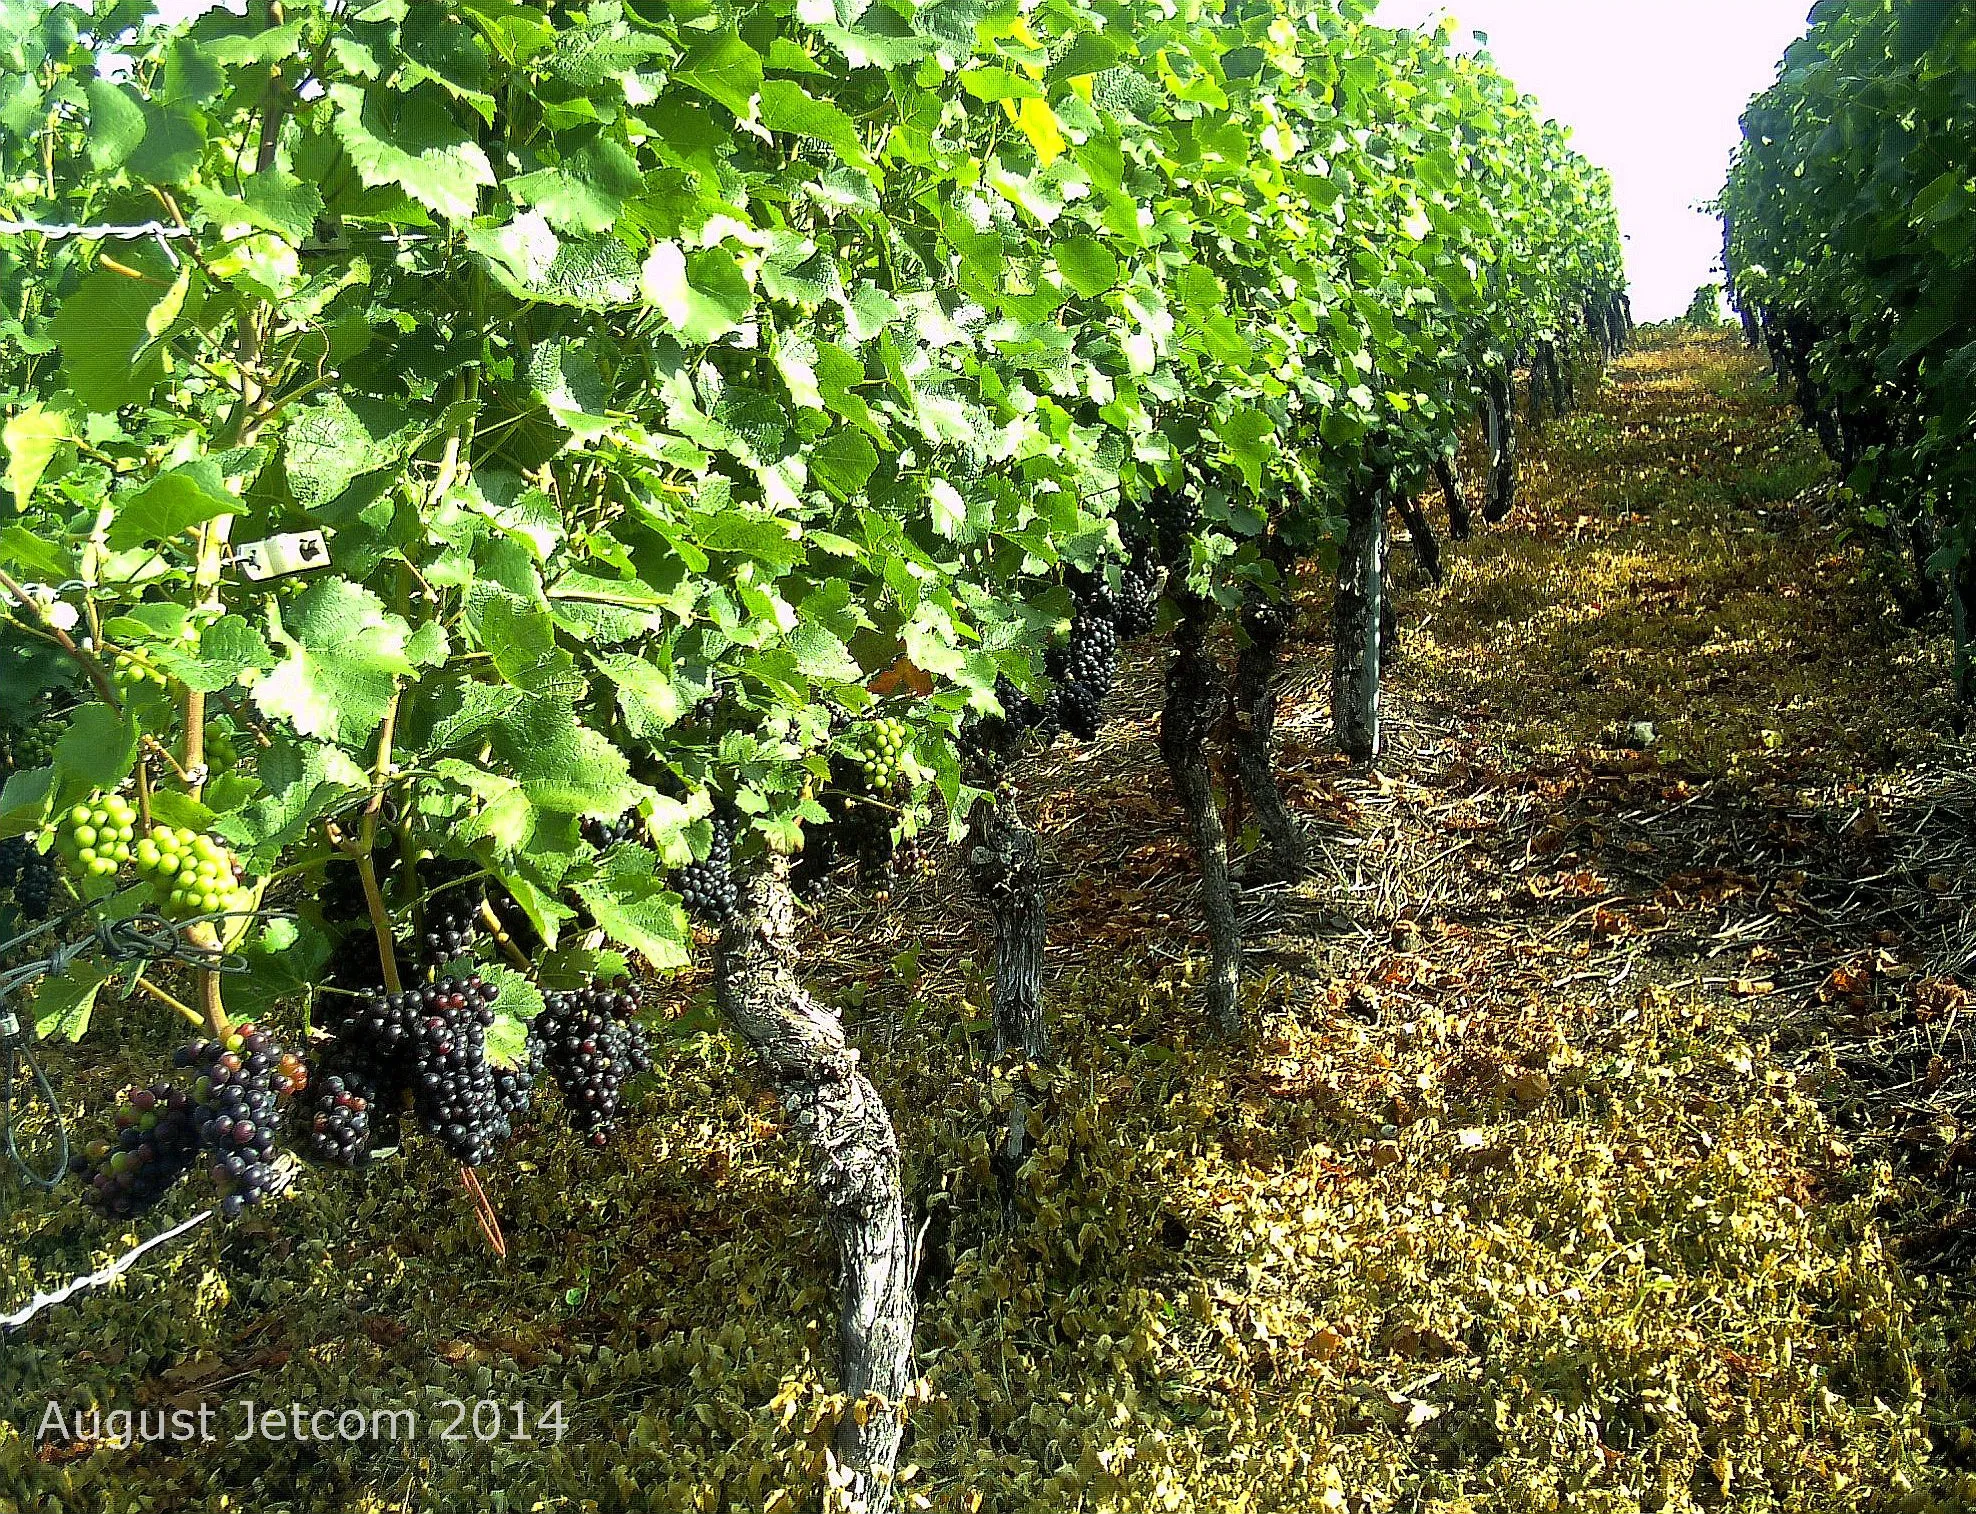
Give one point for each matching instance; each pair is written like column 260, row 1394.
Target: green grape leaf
column 561, row 765
column 189, row 495
column 1087, row 265
column 787, row 107
column 31, row 439
column 724, row 68
column 304, row 781
column 702, row 297
column 63, row 1003
column 345, row 655
column 633, row 903
column 584, row 193
column 116, row 124
column 413, row 143
column 842, row 462
column 110, row 355
column 501, row 813
column 520, row 636
column 99, row 748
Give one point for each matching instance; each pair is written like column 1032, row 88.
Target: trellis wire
column 101, row 1276
column 140, row 939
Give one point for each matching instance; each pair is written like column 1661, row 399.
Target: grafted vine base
column 800, row 1049
column 1005, row 865
column 1194, row 703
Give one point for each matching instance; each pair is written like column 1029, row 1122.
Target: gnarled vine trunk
column 1355, row 625
column 1264, row 625
column 1499, row 419
column 1460, row 523
column 1426, row 545
column 800, row 1048
column 1193, row 708
column 1558, row 365
column 1005, row 865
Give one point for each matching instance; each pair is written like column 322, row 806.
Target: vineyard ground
column 1601, row 1145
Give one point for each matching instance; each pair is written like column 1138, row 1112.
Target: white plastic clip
column 279, row 556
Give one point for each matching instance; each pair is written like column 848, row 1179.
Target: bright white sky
column 1654, row 90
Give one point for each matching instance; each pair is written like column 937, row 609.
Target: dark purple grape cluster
column 707, row 886
column 32, row 877
column 990, row 741
column 592, row 1046
column 605, row 834
column 1140, row 582
column 237, row 1086
column 1170, row 516
column 341, row 897
column 431, row 1042
column 337, row 1126
column 449, row 922
column 157, row 1143
column 1266, row 619
column 514, row 1087
column 1086, row 670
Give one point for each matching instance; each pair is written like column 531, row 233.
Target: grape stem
column 502, row 939
column 178, row 1004
column 62, row 639
column 360, row 850
column 490, row 1223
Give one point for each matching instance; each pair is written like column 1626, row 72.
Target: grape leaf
column 345, row 655
column 635, row 906
column 412, row 142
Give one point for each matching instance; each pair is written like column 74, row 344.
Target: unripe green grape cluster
column 130, row 675
column 191, row 874
column 880, row 748
column 221, row 750
column 98, row 836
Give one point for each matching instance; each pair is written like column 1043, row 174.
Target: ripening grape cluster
column 430, row 1042
column 592, row 1046
column 30, row 875
column 707, row 886
column 227, row 1117
column 237, row 1086
column 157, row 1143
